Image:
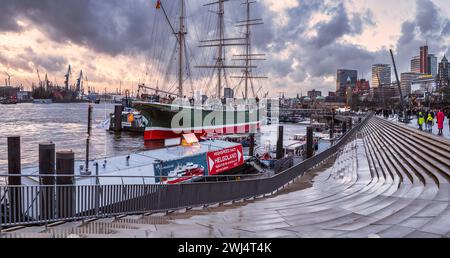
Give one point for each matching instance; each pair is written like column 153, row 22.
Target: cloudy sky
column 124, row 42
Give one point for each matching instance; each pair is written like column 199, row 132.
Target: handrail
column 123, row 176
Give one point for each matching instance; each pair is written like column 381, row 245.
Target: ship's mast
column 220, row 57
column 248, row 57
column 247, row 49
column 220, row 43
column 181, row 37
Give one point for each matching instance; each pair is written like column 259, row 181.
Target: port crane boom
column 398, row 83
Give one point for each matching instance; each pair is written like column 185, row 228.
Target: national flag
column 158, row 4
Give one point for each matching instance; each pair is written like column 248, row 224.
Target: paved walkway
column 413, row 124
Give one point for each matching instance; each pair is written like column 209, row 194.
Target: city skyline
column 305, row 41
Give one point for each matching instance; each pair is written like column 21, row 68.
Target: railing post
column 65, row 191
column 280, row 149
column 14, row 182
column 47, row 180
column 309, row 142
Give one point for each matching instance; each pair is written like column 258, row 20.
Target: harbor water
column 66, row 126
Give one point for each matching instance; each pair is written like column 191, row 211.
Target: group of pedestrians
column 427, row 119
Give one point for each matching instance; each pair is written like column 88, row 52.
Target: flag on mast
column 158, row 4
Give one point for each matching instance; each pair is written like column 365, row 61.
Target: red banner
column 224, row 160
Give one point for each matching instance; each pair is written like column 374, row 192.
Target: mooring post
column 88, row 138
column 252, row 145
column 47, row 180
column 14, row 182
column 309, row 142
column 118, row 118
column 65, row 189
column 280, row 149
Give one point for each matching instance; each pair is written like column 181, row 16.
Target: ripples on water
column 66, row 126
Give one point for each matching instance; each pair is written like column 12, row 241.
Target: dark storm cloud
column 446, row 30
column 7, row 22
column 111, row 27
column 29, row 60
column 122, row 26
column 15, row 63
column 323, row 54
column 338, row 26
column 427, row 16
column 428, row 26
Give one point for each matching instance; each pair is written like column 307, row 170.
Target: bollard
column 118, row 118
column 252, row 145
column 65, row 191
column 14, row 182
column 309, row 142
column 280, row 146
column 88, row 138
column 47, row 180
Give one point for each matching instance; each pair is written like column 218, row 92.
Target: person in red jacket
column 440, row 117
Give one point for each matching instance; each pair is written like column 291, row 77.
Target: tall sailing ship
column 170, row 119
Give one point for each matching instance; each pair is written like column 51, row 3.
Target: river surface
column 66, row 126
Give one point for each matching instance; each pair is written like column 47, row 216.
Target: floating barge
column 214, row 157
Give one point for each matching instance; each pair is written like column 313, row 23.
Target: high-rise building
column 406, row 82
column 424, row 60
column 443, row 76
column 432, row 65
column 383, row 72
column 344, row 79
column 415, row 64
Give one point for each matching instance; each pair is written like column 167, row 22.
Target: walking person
column 430, row 122
column 440, row 117
column 420, row 121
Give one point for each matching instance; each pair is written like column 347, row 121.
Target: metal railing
column 29, row 205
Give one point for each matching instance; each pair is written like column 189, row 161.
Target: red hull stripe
column 150, row 134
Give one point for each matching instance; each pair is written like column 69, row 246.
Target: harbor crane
column 67, row 76
column 402, row 111
column 39, row 77
column 8, row 81
column 80, row 82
